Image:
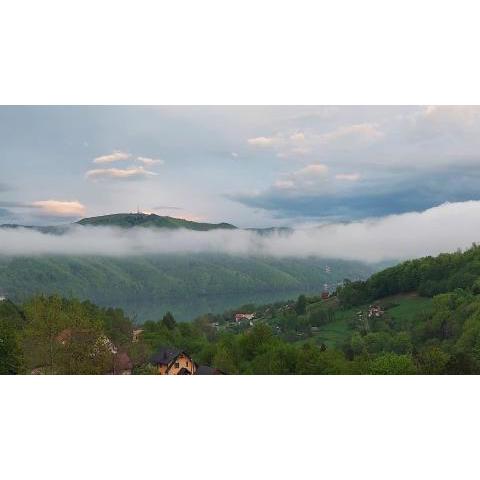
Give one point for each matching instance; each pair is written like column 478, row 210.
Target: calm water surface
column 187, row 309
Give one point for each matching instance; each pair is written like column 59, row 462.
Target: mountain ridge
column 131, row 220
column 144, row 220
column 128, row 220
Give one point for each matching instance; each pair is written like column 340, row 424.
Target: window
column 177, row 365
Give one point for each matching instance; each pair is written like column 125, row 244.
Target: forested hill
column 144, row 220
column 130, row 220
column 428, row 276
column 384, row 332
column 113, row 280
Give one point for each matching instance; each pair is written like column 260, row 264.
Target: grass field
column 334, row 333
column 407, row 306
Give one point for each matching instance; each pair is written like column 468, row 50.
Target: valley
column 188, row 284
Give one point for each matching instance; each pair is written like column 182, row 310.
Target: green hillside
column 399, row 310
column 139, row 283
column 130, row 220
column 428, row 276
column 111, row 280
column 402, row 333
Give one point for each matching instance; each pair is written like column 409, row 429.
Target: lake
column 185, row 310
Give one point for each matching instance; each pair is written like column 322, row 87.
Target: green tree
column 45, row 321
column 279, row 359
column 224, row 360
column 312, row 360
column 10, row 354
column 301, row 305
column 255, row 341
column 357, row 344
column 392, row 364
column 461, row 363
column 401, row 343
column 66, row 337
column 169, row 321
column 433, row 361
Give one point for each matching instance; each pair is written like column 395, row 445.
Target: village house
column 375, row 311
column 172, row 361
column 243, row 316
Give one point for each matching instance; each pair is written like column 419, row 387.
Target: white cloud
column 285, row 144
column 119, row 173
column 60, row 208
column 441, row 229
column 301, row 143
column 148, row 162
column 310, row 177
column 116, row 156
column 284, row 184
column 464, row 116
column 352, row 135
column 349, row 177
column 262, row 141
column 297, row 137
column 316, row 170
column 446, row 128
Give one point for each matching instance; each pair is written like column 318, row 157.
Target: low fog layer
column 441, row 229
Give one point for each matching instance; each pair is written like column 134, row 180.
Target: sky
column 250, row 166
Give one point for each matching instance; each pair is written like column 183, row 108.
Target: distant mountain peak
column 150, row 220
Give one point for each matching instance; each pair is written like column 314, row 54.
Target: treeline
column 54, row 335
column 112, row 280
column 428, row 276
column 57, row 336
column 445, row 340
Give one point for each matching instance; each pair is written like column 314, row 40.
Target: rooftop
column 165, row 356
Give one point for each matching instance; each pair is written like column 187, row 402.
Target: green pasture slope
column 400, row 308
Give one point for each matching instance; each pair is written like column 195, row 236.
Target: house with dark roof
column 172, row 361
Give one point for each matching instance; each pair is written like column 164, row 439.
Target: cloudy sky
column 251, row 166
